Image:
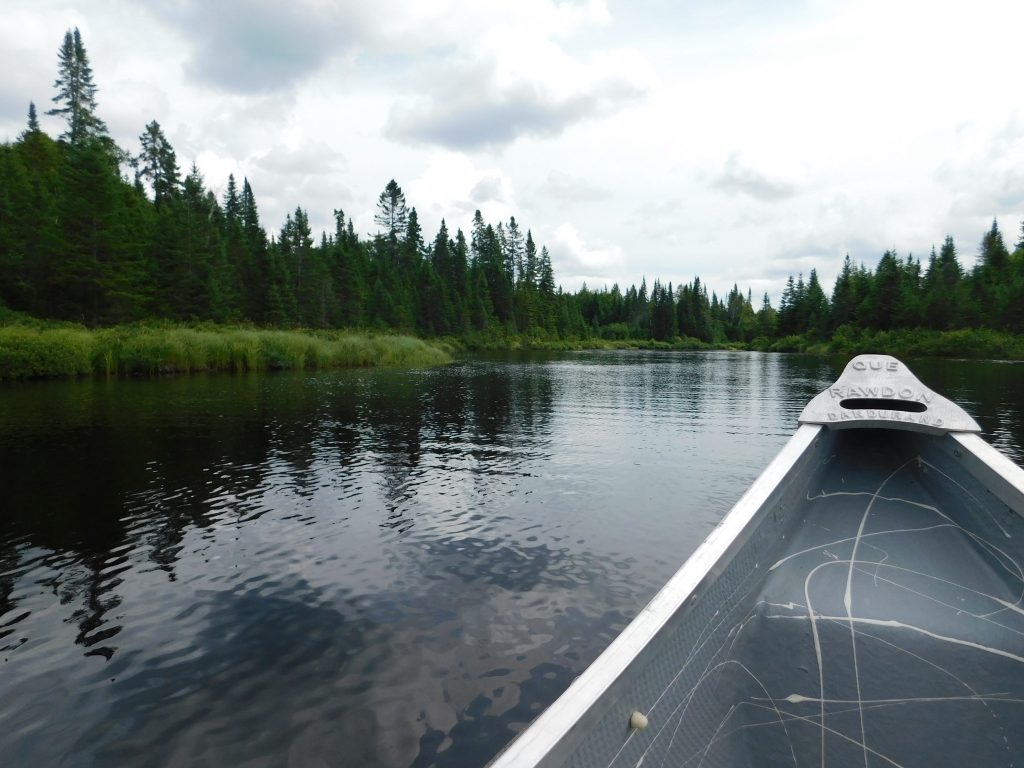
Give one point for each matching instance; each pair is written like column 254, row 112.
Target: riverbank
column 971, row 343
column 38, row 350
column 485, row 343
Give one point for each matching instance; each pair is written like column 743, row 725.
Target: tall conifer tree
column 76, row 92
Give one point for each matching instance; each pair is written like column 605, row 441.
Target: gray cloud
column 823, row 251
column 736, row 178
column 309, row 159
column 20, row 85
column 488, row 189
column 261, row 46
column 470, row 110
column 984, row 184
column 308, row 176
column 571, row 189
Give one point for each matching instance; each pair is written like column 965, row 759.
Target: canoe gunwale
column 875, row 392
column 1003, row 478
column 552, row 736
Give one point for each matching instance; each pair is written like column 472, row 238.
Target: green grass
column 487, row 343
column 33, row 351
column 975, row 343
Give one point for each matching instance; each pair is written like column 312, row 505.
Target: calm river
column 365, row 568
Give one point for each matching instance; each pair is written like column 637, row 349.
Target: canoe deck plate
column 880, row 391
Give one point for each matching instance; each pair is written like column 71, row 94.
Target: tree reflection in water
column 365, row 567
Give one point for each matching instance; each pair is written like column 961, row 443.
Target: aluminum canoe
column 861, row 605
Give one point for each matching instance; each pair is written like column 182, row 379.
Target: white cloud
column 577, row 261
column 491, row 97
column 566, row 188
column 736, row 177
column 452, row 187
column 733, row 141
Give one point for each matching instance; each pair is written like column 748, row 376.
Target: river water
column 366, row 568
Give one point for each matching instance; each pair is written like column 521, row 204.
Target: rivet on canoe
column 638, row 721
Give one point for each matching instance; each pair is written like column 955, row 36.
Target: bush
column 28, row 352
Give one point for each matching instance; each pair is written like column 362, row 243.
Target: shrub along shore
column 975, row 343
column 35, row 351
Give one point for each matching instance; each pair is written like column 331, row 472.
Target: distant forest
column 94, row 234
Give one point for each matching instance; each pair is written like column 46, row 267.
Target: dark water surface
column 366, row 568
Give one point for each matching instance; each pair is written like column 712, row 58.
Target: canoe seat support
column 879, row 391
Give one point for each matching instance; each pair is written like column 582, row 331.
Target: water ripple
column 364, row 567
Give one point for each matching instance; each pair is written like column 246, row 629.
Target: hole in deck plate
column 860, row 403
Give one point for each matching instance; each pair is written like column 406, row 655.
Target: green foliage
column 849, row 340
column 31, row 352
column 76, row 92
column 80, row 243
column 28, row 351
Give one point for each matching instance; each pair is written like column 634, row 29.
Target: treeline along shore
column 109, row 256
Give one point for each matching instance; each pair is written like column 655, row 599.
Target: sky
column 738, row 140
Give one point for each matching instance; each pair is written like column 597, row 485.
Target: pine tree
column 493, row 264
column 33, row 121
column 347, row 273
column 816, row 309
column 255, row 270
column 158, row 163
column 202, row 282
column 412, row 243
column 994, row 256
column 96, row 275
column 76, row 92
column 546, row 288
column 515, row 260
column 943, row 289
column 232, row 205
column 788, row 322
column 391, row 215
column 766, row 319
column 531, row 266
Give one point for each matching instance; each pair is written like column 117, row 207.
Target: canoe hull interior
column 869, row 610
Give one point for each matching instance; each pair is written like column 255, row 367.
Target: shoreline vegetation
column 37, row 349
column 141, row 269
column 848, row 341
column 30, row 351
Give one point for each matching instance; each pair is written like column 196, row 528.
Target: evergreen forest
column 97, row 235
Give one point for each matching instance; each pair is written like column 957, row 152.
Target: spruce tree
column 515, row 260
column 33, row 121
column 816, row 309
column 232, row 205
column 531, row 264
column 766, row 319
column 391, row 215
column 994, row 256
column 158, row 163
column 843, row 300
column 76, row 92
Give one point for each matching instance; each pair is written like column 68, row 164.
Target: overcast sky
column 738, row 140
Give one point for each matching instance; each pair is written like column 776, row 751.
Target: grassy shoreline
column 978, row 344
column 974, row 343
column 38, row 349
column 51, row 351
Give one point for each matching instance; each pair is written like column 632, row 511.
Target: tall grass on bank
column 487, row 343
column 38, row 351
column 975, row 343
